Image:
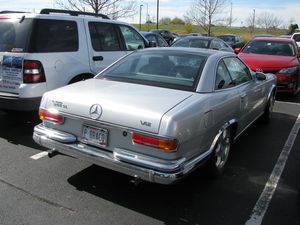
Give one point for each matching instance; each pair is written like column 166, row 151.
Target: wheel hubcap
column 222, row 149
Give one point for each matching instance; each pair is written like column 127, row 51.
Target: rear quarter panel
column 197, row 121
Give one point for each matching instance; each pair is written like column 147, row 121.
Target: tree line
column 204, row 13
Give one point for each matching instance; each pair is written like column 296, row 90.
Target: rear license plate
column 95, row 135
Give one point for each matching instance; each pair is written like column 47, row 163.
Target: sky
column 286, row 10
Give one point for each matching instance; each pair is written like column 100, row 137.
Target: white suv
column 296, row 37
column 41, row 52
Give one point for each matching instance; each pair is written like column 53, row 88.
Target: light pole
column 147, row 14
column 157, row 14
column 141, row 16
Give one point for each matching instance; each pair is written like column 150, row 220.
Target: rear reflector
column 51, row 115
column 155, row 142
column 33, row 72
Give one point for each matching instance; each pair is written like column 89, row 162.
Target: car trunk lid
column 122, row 104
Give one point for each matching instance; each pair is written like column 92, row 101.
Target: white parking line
column 262, row 204
column 39, row 155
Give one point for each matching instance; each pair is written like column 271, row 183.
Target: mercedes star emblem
column 95, row 111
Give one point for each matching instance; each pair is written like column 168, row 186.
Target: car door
column 104, row 45
column 250, row 93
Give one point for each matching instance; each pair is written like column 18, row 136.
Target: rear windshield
column 14, row 34
column 163, row 69
column 270, row 48
column 192, row 43
column 45, row 35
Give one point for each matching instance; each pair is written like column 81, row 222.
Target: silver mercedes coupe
column 157, row 114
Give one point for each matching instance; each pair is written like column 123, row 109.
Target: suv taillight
column 33, row 72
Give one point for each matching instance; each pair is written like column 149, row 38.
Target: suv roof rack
column 73, row 13
column 8, row 11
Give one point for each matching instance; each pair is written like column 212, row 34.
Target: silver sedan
column 157, row 114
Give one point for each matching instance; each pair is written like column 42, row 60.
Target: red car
column 275, row 55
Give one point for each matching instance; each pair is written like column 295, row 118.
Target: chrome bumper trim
column 121, row 160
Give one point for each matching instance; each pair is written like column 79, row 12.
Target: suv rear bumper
column 13, row 102
column 120, row 160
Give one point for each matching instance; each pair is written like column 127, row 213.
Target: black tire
column 219, row 157
column 267, row 115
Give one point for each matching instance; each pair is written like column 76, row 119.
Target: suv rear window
column 54, row 36
column 14, row 34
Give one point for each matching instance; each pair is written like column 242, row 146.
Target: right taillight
column 155, row 142
column 33, row 72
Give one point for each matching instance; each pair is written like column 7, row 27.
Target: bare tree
column 268, row 21
column 250, row 22
column 112, row 8
column 204, row 13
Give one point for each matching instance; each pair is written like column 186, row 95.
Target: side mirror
column 237, row 50
column 260, row 76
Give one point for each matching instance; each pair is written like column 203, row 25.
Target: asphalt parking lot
column 37, row 190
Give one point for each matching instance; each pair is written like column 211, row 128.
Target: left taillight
column 51, row 115
column 155, row 142
column 33, row 72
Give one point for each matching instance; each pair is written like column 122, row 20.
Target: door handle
column 243, row 96
column 98, row 58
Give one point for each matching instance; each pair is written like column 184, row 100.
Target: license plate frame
column 95, row 135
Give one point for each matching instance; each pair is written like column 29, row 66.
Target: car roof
column 280, row 39
column 187, row 50
column 221, row 35
column 200, row 37
column 61, row 16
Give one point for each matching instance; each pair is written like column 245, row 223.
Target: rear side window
column 54, row 36
column 238, row 71
column 14, row 34
column 104, row 37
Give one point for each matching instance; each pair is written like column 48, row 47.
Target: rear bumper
column 13, row 102
column 121, row 160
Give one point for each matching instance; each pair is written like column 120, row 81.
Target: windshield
column 14, row 34
column 270, row 48
column 192, row 43
column 164, row 69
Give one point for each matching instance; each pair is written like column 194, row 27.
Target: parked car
column 234, row 40
column 158, row 113
column 44, row 51
column 275, row 55
column 167, row 35
column 203, row 42
column 296, row 37
column 155, row 38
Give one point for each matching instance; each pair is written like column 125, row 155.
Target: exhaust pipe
column 52, row 153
